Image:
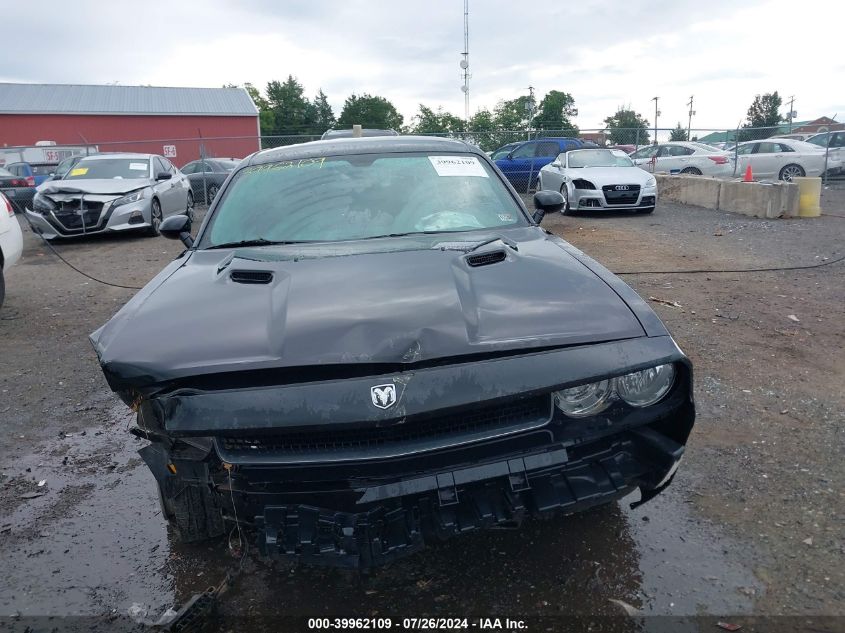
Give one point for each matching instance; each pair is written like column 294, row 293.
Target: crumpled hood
column 610, row 175
column 388, row 307
column 105, row 186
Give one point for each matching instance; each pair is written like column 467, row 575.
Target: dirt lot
column 754, row 524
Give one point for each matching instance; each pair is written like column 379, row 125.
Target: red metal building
column 175, row 122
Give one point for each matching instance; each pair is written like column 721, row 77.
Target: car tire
column 191, row 510
column 2, row 287
column 189, row 207
column 212, row 194
column 691, row 171
column 155, row 219
column 788, row 172
column 646, row 211
column 565, row 193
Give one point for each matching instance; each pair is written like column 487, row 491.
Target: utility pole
column 792, row 113
column 689, row 124
column 656, row 114
column 529, row 106
column 465, row 64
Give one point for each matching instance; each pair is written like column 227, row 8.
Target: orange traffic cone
column 749, row 177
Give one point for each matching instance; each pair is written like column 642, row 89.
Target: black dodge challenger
column 371, row 346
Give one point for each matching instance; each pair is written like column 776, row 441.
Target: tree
column 763, row 117
column 679, row 133
column 428, row 121
column 482, row 130
column 555, row 111
column 512, row 114
column 626, row 127
column 323, row 114
column 292, row 112
column 369, row 111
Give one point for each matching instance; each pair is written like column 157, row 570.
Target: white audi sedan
column 681, row 157
column 11, row 241
column 783, row 159
column 599, row 179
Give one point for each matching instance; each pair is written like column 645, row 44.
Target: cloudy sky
column 605, row 52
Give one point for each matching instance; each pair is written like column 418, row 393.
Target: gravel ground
column 754, row 524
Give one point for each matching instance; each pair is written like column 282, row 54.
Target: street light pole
column 791, row 115
column 656, row 114
column 689, row 124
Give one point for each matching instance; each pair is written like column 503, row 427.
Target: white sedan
column 681, row 157
column 783, row 159
column 599, row 179
column 11, row 241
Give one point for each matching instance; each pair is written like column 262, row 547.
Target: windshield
column 598, row 158
column 110, row 168
column 361, row 196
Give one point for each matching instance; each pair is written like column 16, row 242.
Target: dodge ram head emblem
column 384, row 396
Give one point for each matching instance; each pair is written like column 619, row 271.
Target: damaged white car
column 599, row 179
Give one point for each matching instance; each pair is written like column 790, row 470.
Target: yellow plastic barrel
column 809, row 195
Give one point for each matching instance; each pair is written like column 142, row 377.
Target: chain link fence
column 520, row 154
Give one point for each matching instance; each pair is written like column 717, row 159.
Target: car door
column 646, row 157
column 546, row 152
column 743, row 157
column 552, row 174
column 516, row 165
column 163, row 188
column 766, row 160
column 181, row 187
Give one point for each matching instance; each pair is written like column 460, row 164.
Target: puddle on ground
column 96, row 544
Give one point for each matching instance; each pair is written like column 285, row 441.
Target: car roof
column 363, row 145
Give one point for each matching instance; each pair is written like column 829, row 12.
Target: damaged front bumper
column 360, row 493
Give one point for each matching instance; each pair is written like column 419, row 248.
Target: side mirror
column 546, row 202
column 164, row 175
column 177, row 227
column 556, row 163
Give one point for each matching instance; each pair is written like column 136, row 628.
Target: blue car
column 522, row 165
column 33, row 173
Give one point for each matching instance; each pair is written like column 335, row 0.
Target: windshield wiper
column 257, row 242
column 496, row 238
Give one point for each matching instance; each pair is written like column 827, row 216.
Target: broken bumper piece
column 401, row 518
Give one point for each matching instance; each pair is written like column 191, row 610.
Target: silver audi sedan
column 599, row 179
column 111, row 193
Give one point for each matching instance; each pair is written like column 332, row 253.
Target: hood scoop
column 485, row 259
column 251, row 276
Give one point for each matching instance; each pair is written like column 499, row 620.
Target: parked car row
column 685, row 157
column 521, row 162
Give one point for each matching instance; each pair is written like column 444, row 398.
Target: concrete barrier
column 699, row 191
column 761, row 200
column 757, row 199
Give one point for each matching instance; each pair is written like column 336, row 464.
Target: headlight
column 651, row 182
column 42, row 204
column 638, row 389
column 129, row 197
column 644, row 388
column 584, row 400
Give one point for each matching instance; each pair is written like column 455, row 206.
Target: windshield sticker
column 457, row 166
column 288, row 164
column 138, row 166
column 505, row 217
column 78, row 171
